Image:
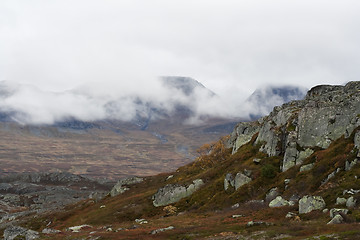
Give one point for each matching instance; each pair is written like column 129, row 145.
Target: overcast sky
column 230, row 46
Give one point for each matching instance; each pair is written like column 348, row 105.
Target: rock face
column 310, row 203
column 121, row 186
column 291, row 130
column 172, row 193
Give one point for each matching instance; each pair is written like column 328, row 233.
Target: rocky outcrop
column 172, row 193
column 307, row 167
column 311, row 203
column 293, row 129
column 16, row 232
column 122, row 185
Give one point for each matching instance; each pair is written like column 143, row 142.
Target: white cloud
column 232, row 47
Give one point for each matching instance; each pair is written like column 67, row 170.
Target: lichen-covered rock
column 242, row 134
column 351, row 202
column 306, row 167
column 340, row 201
column 240, row 180
column 338, row 211
column 326, row 113
column 280, row 202
column 349, row 165
column 16, row 232
column 311, row 203
column 172, row 193
column 121, row 186
column 336, row 220
column 229, row 181
column 272, row 194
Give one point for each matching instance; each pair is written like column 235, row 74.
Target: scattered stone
column 172, row 193
column 102, row 206
column 272, row 194
column 50, row 231
column 228, row 181
column 169, row 177
column 109, row 230
column 310, row 203
column 351, row 202
column 336, row 211
column 141, row 221
column 287, row 181
column 326, row 210
column 290, row 215
column 357, row 142
column 256, row 160
column 252, row 223
column 331, row 175
column 350, row 165
column 237, row 216
column 337, row 219
column 134, row 226
column 351, row 191
column 280, row 202
column 306, row 167
column 340, row 201
column 162, row 230
column 79, row 228
column 16, row 232
column 236, row 205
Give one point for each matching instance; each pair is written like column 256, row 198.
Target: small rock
column 241, row 179
column 236, row 205
column 237, row 216
column 141, row 221
column 290, row 215
column 256, row 160
column 287, row 181
column 169, row 177
column 162, row 230
column 79, row 228
column 325, row 210
column 340, row 201
column 50, row 231
column 102, row 206
column 109, row 230
column 252, row 223
column 336, row 220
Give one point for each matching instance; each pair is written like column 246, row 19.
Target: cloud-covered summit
column 182, row 98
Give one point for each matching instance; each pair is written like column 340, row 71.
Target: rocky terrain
column 293, row 174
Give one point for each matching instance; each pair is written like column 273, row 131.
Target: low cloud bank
column 160, row 98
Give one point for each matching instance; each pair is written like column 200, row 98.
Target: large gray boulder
column 172, row 193
column 326, row 113
column 229, row 181
column 338, row 219
column 240, row 180
column 16, row 232
column 311, row 203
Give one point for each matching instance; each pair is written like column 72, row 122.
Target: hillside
column 290, row 175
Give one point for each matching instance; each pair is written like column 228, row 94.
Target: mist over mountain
column 174, row 98
column 264, row 99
